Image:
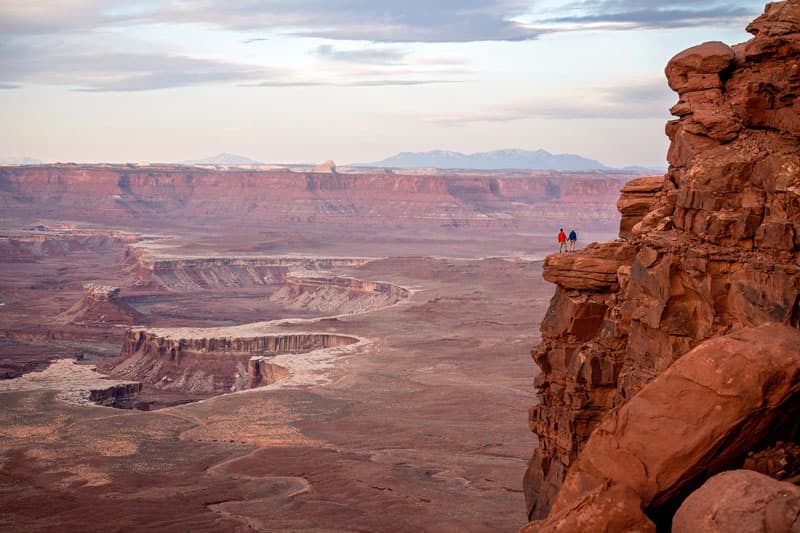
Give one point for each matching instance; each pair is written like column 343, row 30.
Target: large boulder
column 612, row 510
column 701, row 415
column 740, row 500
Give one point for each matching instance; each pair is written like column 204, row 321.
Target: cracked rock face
column 710, row 247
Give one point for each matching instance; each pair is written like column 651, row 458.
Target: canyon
column 327, row 349
column 184, row 348
column 703, row 284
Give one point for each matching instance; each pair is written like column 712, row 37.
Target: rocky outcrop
column 77, row 384
column 149, row 196
column 740, row 500
column 595, row 268
column 211, row 361
column 337, row 294
column 215, row 273
column 733, row 393
column 261, row 372
column 100, row 305
column 42, row 241
column 635, row 201
column 717, row 250
column 303, row 284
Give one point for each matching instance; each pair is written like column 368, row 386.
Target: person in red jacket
column 562, row 240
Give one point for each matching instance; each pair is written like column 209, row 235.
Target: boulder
column 617, row 509
column 698, row 67
column 699, row 416
column 740, row 500
column 636, row 200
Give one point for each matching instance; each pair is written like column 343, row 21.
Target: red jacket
column 562, row 237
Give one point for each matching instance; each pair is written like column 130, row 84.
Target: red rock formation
column 717, row 250
column 732, row 393
column 210, row 273
column 30, row 245
column 78, row 384
column 148, row 195
column 337, row 294
column 100, row 305
column 635, row 201
column 740, row 501
column 189, row 362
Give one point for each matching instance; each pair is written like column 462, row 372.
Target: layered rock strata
column 42, row 241
column 716, row 250
column 190, row 362
column 337, row 294
column 210, row 273
column 292, row 282
column 147, row 196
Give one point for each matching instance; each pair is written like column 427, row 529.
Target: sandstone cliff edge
column 704, row 252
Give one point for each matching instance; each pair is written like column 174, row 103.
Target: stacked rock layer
column 709, row 248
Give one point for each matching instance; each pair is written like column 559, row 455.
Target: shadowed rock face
column 716, row 250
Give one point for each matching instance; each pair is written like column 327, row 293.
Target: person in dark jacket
column 573, row 238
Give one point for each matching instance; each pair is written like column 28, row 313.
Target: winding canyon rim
column 291, row 365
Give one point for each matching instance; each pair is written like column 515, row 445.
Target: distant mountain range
column 496, row 160
column 223, row 159
column 442, row 159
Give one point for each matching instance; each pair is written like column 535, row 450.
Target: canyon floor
column 420, row 426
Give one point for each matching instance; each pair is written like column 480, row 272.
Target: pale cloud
column 364, row 55
column 374, row 20
column 88, row 70
column 91, row 71
column 352, row 83
column 368, row 20
column 37, row 17
column 646, row 14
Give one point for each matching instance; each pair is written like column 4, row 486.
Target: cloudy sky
column 349, row 80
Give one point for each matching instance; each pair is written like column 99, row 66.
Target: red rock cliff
column 147, row 195
column 711, row 247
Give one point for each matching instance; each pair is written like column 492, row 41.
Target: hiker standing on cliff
column 573, row 238
column 562, row 240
